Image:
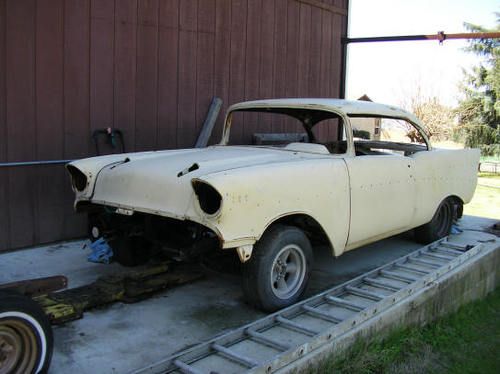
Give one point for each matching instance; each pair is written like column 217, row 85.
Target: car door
column 382, row 196
column 382, row 177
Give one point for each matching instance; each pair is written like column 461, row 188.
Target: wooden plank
column 76, row 78
column 76, row 99
column 222, row 58
column 343, row 34
column 209, row 123
column 315, row 53
column 314, row 82
column 292, row 57
column 4, row 173
column 292, row 51
column 324, row 5
column 102, row 34
column 147, row 76
column 237, row 62
column 342, row 4
column 205, row 61
column 304, row 56
column 329, row 127
column 280, row 58
column 188, row 18
column 50, row 180
column 326, row 52
column 333, row 86
column 125, row 43
column 266, row 75
column 325, row 60
column 168, row 74
column 49, row 79
column 267, row 49
column 337, row 25
column 21, row 131
column 252, row 66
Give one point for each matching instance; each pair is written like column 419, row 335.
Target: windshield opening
column 279, row 127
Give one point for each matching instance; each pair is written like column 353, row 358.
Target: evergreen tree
column 479, row 110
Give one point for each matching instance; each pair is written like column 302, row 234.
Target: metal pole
column 440, row 36
column 33, row 163
column 343, row 67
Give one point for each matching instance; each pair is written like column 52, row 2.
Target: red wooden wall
column 147, row 67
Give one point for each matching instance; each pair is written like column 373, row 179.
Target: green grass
column 484, row 174
column 490, row 158
column 486, row 200
column 467, row 341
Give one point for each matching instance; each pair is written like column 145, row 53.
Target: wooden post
column 208, row 126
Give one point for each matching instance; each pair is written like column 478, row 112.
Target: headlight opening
column 209, row 198
column 78, row 178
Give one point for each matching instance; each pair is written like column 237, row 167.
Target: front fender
column 90, row 167
column 254, row 197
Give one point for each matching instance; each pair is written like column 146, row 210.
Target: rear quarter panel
column 441, row 173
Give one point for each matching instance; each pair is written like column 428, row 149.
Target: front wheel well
column 311, row 228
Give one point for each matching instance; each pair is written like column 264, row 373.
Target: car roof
column 349, row 107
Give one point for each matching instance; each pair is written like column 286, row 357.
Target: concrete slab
column 122, row 337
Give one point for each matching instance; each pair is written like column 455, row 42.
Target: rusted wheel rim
column 18, row 346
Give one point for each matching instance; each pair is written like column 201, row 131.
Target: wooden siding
column 148, row 68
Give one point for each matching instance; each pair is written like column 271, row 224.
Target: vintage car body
column 239, row 192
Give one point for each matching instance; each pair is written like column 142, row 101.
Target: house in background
column 366, row 128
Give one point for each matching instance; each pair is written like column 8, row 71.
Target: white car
column 366, row 171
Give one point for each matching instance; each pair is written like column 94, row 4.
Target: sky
column 391, row 72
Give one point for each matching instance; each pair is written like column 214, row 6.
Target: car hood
column 160, row 182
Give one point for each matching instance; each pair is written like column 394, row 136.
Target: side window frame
column 415, row 124
column 350, row 151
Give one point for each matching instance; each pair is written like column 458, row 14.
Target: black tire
column 131, row 250
column 26, row 340
column 261, row 285
column 439, row 226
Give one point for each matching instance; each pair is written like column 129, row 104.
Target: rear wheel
column 277, row 274
column 26, row 340
column 439, row 226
